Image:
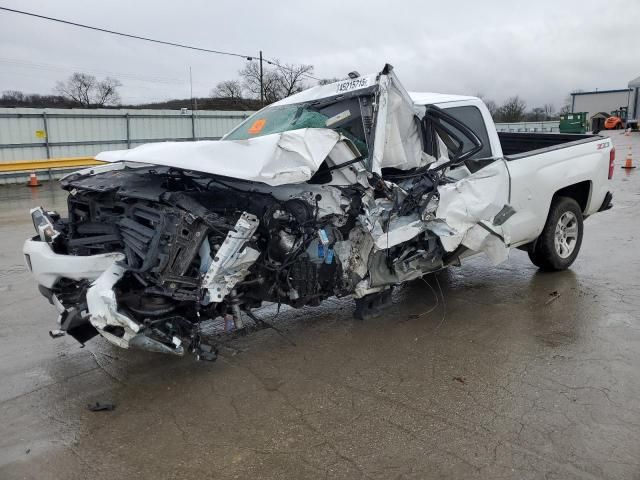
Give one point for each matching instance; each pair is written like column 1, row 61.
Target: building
column 602, row 100
column 634, row 104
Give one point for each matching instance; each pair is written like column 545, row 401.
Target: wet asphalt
column 510, row 373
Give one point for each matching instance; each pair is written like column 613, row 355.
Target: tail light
column 612, row 158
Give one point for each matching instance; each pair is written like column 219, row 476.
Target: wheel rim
column 566, row 235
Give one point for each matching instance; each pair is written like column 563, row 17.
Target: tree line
column 79, row 90
column 514, row 109
column 242, row 93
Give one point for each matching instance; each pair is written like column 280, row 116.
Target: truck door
column 474, row 190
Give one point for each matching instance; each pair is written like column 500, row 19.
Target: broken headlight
column 43, row 224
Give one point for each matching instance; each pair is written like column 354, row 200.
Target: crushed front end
column 347, row 192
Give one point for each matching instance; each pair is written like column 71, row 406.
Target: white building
column 634, row 104
column 601, row 100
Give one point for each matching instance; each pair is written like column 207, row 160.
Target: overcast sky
column 538, row 49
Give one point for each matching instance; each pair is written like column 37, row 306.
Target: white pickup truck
column 343, row 189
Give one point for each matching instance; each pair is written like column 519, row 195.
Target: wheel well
column 578, row 191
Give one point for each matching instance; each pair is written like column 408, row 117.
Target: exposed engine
column 197, row 247
column 344, row 189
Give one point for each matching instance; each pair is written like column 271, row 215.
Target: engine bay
column 337, row 194
column 198, row 247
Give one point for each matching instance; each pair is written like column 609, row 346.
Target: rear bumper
column 606, row 203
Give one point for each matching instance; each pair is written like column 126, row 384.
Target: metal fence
column 529, row 127
column 33, row 134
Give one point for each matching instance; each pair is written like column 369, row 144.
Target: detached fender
column 48, row 267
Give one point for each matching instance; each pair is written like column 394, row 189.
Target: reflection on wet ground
column 478, row 372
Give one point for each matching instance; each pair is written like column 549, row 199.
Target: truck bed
column 517, row 145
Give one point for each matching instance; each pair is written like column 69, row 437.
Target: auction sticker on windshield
column 352, row 84
column 257, row 126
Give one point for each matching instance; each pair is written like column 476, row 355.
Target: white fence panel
column 531, row 127
column 34, row 134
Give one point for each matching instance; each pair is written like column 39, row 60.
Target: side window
column 472, row 118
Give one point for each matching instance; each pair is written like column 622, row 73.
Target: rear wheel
column 559, row 243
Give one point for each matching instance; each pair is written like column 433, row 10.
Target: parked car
column 343, row 189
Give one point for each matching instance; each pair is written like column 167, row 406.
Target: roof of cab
column 428, row 98
column 324, row 91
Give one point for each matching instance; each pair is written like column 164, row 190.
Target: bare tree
column 491, row 105
column 107, row 92
column 512, row 110
column 271, row 85
column 292, row 77
column 278, row 81
column 549, row 111
column 88, row 91
column 566, row 108
column 536, row 114
column 227, row 89
column 13, row 96
column 568, row 102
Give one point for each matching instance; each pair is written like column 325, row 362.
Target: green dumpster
column 575, row 122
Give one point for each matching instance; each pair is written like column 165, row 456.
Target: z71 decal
column 603, row 145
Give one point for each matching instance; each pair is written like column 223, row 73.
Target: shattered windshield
column 343, row 116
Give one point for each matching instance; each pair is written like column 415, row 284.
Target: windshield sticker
column 337, row 118
column 257, row 126
column 353, row 84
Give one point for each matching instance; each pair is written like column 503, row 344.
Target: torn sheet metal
column 103, row 308
column 354, row 253
column 277, row 159
column 399, row 230
column 468, row 207
column 115, row 326
column 232, row 261
column 397, row 142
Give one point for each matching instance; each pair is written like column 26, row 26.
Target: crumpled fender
column 469, row 207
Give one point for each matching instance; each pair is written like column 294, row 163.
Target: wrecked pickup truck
column 343, row 189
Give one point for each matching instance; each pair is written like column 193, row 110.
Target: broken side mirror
column 459, row 139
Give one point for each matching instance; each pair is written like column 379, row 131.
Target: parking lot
column 509, row 373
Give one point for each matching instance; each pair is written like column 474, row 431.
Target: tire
column 564, row 222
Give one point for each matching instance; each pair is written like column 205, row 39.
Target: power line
column 148, row 39
column 137, row 37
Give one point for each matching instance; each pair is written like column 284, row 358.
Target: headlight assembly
column 43, row 225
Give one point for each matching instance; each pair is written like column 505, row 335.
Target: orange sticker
column 257, row 126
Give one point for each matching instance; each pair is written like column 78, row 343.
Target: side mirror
column 455, row 135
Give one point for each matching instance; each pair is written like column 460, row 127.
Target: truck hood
column 277, row 159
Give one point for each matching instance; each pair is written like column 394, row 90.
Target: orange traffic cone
column 33, row 180
column 628, row 163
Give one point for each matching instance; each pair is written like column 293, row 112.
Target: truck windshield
column 343, row 116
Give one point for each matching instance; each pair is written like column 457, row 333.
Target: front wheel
column 559, row 243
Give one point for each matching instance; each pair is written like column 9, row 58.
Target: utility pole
column 193, row 106
column 261, row 83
